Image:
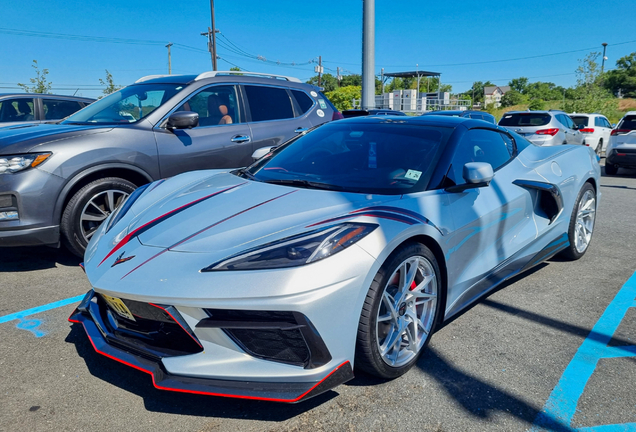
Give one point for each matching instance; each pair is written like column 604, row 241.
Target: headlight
column 297, row 250
column 121, row 211
column 11, row 164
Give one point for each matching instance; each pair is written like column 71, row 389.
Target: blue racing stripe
column 35, row 310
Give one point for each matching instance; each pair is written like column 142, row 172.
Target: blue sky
column 436, row 35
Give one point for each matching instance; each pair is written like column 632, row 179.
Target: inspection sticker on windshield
column 413, row 175
column 322, row 103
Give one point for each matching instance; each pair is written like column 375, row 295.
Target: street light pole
column 603, row 61
column 169, row 58
column 368, row 54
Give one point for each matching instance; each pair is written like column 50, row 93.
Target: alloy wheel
column 585, row 217
column 98, row 208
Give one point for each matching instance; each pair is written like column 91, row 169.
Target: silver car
column 621, row 150
column 544, row 128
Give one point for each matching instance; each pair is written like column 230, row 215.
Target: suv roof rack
column 149, row 77
column 212, row 74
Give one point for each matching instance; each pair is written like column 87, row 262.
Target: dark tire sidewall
column 71, row 224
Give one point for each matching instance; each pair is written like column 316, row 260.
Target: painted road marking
column 35, row 310
column 561, row 406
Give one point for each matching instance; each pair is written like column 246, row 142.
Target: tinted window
column 58, row 109
column 607, row 123
column 369, row 158
column 628, row 122
column 525, row 119
column 268, row 103
column 14, row 110
column 216, row 105
column 510, row 145
column 580, row 120
column 304, row 102
column 565, row 120
column 478, row 145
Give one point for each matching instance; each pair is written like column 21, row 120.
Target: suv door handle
column 241, row 139
column 301, row 130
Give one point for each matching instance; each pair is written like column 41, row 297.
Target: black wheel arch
column 128, row 172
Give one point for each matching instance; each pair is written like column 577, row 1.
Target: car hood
column 25, row 138
column 219, row 214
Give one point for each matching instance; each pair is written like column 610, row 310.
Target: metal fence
column 417, row 105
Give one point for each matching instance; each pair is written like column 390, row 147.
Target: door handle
column 301, row 130
column 241, row 139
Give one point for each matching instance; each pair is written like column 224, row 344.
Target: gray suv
column 58, row 182
column 544, row 128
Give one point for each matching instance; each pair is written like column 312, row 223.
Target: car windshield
column 579, row 120
column 628, row 122
column 381, row 158
column 525, row 119
column 127, row 105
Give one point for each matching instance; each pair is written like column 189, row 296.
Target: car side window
column 479, row 145
column 55, row 109
column 268, row 103
column 568, row 121
column 216, row 105
column 15, row 110
column 304, row 102
column 607, row 123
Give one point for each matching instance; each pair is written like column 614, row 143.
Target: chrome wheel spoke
column 98, row 209
column 585, row 216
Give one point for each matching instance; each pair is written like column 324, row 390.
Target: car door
column 221, row 140
column 572, row 136
column 274, row 114
column 492, row 224
column 607, row 130
column 17, row 109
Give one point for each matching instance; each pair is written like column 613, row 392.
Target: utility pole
column 382, row 79
column 319, row 70
column 604, row 58
column 211, row 34
column 169, row 58
column 338, row 76
column 368, row 54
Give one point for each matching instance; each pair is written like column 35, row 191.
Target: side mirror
column 259, row 153
column 476, row 175
column 183, row 120
column 613, row 125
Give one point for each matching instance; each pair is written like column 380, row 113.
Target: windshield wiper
column 245, row 172
column 306, row 184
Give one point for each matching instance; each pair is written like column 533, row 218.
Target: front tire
column 581, row 223
column 400, row 312
column 88, row 208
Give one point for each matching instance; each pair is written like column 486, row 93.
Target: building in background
column 493, row 94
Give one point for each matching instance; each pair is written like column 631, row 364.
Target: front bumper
column 105, row 342
column 30, row 236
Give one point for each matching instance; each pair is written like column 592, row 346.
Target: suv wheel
column 599, row 147
column 88, row 208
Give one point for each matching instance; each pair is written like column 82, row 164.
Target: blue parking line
column 35, row 310
column 561, row 405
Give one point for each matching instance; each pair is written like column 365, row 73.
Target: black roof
column 433, row 120
column 46, row 95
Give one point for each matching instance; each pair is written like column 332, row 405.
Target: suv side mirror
column 183, row 120
column 476, row 175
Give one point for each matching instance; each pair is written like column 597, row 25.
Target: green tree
column 109, row 83
column 623, row 78
column 327, row 81
column 342, row 97
column 536, row 104
column 589, row 96
column 477, row 90
column 513, row 97
column 519, row 84
column 40, row 83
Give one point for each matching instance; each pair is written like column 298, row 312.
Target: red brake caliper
column 413, row 286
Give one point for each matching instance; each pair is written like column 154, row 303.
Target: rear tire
column 610, row 169
column 400, row 313
column 599, row 147
column 581, row 224
column 87, row 209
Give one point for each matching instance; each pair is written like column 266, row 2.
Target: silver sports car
column 346, row 246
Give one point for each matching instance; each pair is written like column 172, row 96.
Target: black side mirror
column 183, row 120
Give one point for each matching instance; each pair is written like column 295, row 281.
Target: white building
column 493, row 94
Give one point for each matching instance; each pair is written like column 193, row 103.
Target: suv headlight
column 297, row 250
column 12, row 164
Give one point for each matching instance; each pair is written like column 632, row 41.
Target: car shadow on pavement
column 21, row 259
column 140, row 383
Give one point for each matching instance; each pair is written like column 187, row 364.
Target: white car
column 621, row 150
column 595, row 128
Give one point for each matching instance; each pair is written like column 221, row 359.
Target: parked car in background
column 17, row 108
column 343, row 248
column 60, row 181
column 360, row 112
column 621, row 150
column 544, row 128
column 477, row 115
column 596, row 130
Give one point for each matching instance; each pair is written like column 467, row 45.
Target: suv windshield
column 127, row 105
column 628, row 122
column 579, row 120
column 525, row 119
column 381, row 158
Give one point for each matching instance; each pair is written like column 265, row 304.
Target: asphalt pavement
column 551, row 349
